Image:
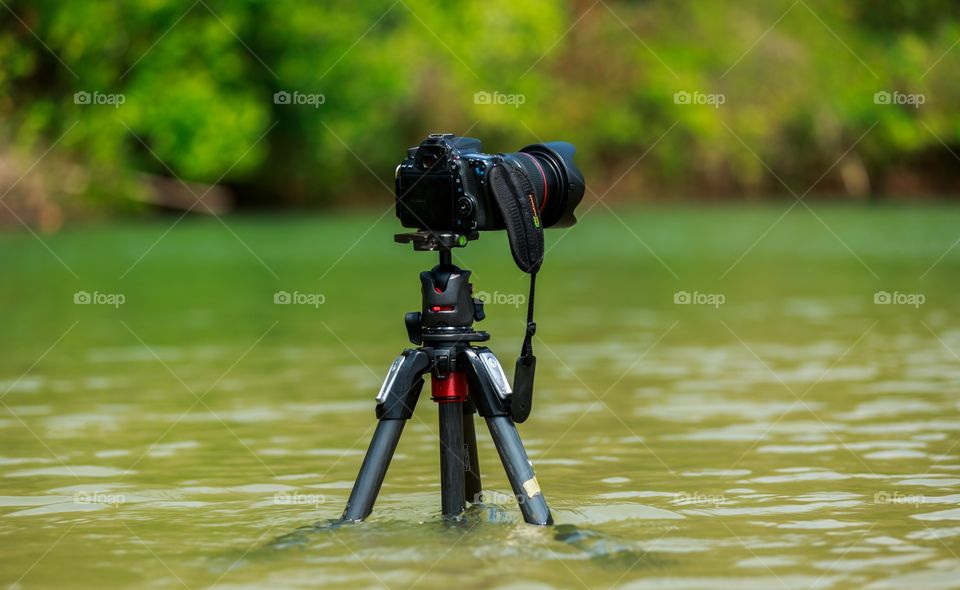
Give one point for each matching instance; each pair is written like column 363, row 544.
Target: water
column 796, row 435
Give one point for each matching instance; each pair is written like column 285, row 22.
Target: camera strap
column 522, row 399
column 516, row 199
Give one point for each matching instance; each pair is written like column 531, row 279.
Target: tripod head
column 449, row 309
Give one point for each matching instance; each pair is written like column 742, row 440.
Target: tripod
column 465, row 379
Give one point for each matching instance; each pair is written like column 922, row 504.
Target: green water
column 798, row 435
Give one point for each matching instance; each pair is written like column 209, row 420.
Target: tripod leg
column 373, row 470
column 519, row 471
column 452, row 467
column 395, row 404
column 473, row 489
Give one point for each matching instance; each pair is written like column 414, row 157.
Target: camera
column 447, row 184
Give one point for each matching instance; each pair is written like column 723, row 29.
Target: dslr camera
column 447, row 184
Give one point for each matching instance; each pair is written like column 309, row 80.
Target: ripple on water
column 904, row 427
column 616, row 512
column 61, row 508
column 928, row 580
column 811, row 475
column 699, row 407
column 24, row 460
column 171, row 449
column 27, row 384
column 931, row 482
column 739, row 582
column 885, row 407
column 950, row 514
column 799, row 449
column 767, row 562
column 855, row 565
column 110, row 453
column 261, row 488
column 71, row 471
column 928, row 534
column 821, row 524
column 771, row 510
column 716, row 473
column 894, row 455
column 14, row 501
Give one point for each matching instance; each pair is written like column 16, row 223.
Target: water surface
column 796, row 434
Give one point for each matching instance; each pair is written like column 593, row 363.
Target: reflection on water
column 800, row 438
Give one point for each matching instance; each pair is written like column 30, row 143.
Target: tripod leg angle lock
column 465, row 379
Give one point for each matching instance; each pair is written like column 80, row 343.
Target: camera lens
column 557, row 183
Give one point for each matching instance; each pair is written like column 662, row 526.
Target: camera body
column 442, row 185
column 448, row 189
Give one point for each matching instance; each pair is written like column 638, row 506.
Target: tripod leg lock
column 489, row 387
column 401, row 389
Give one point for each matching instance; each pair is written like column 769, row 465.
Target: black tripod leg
column 452, row 466
column 473, row 487
column 373, row 470
column 395, row 404
column 514, row 457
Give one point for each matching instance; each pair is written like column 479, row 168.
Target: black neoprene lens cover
column 515, row 197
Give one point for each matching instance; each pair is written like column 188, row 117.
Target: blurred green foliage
column 199, row 78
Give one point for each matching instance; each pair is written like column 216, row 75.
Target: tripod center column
column 452, row 387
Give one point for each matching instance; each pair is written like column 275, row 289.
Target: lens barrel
column 557, row 183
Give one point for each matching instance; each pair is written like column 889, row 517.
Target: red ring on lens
column 542, row 175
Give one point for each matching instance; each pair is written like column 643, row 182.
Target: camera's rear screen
column 427, row 201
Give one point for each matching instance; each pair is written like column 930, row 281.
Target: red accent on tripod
column 452, row 388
